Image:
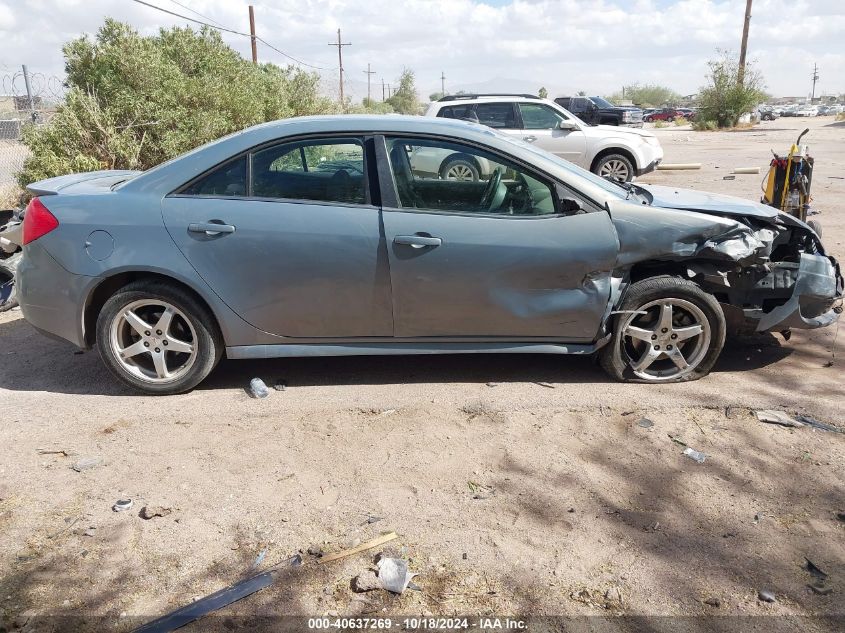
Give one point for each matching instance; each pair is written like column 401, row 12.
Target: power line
column 228, row 30
column 184, row 6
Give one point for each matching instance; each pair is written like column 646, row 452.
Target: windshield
column 613, row 189
column 602, row 103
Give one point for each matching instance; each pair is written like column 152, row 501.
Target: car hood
column 715, row 203
column 605, row 130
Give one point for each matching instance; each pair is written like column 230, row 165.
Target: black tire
column 466, row 165
column 816, row 226
column 648, row 119
column 615, row 358
column 8, row 293
column 615, row 159
column 207, row 337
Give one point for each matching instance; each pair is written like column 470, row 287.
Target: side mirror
column 566, row 125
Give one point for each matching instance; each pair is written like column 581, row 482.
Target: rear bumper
column 50, row 297
column 816, row 299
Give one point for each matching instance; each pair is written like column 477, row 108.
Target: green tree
column 134, row 101
column 543, row 93
column 434, row 96
column 725, row 98
column 405, row 99
column 648, row 95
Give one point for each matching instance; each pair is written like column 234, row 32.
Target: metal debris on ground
column 149, row 512
column 373, row 519
column 547, row 385
column 492, row 384
column 393, row 574
column 771, row 416
column 215, row 601
column 280, row 385
column 257, row 388
column 766, row 596
column 55, row 451
column 814, row 570
column 121, row 505
column 694, row 454
column 260, row 558
column 816, row 424
column 645, row 423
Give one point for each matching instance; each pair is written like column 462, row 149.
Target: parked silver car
column 315, row 236
column 619, row 153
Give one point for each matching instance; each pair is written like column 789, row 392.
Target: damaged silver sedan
column 325, row 236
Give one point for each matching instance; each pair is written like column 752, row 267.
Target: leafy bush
column 661, row 123
column 727, row 96
column 135, row 101
column 679, row 120
column 700, row 125
column 840, row 116
column 649, row 95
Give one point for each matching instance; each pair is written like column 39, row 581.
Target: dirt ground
column 509, row 497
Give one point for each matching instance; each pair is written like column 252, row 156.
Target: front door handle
column 213, row 227
column 530, row 139
column 417, row 241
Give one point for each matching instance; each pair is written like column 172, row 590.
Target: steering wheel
column 488, row 198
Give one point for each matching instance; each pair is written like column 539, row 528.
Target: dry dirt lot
column 509, row 497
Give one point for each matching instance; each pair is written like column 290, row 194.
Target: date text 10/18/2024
column 419, row 624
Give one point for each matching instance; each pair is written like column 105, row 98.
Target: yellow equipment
column 787, row 185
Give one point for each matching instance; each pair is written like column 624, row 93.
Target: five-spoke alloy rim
column 615, row 169
column 665, row 339
column 153, row 340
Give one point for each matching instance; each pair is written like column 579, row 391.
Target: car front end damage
column 768, row 270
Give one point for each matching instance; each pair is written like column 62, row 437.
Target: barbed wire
column 47, row 88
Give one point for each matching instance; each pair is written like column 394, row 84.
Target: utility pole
column 442, row 83
column 29, row 93
column 252, row 35
column 740, row 76
column 340, row 46
column 370, row 73
column 382, row 88
column 815, row 79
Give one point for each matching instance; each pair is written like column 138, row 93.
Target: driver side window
column 444, row 176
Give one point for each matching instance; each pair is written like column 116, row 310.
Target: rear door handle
column 211, row 228
column 530, row 139
column 417, row 241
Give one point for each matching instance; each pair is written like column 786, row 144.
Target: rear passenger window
column 328, row 170
column 496, row 115
column 227, row 180
column 457, row 112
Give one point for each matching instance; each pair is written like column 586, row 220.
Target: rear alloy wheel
column 615, row 167
column 157, row 338
column 459, row 169
column 667, row 330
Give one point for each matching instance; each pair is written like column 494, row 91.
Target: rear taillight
column 37, row 221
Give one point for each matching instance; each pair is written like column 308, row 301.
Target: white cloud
column 565, row 45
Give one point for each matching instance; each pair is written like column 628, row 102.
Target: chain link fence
column 19, row 108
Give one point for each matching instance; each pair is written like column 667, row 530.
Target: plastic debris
column 766, row 596
column 645, row 423
column 121, row 505
column 694, row 454
column 373, row 519
column 87, row 463
column 393, row 574
column 257, row 388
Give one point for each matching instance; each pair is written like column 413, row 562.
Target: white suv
column 609, row 151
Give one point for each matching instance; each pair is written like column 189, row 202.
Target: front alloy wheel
column 615, row 167
column 666, row 330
